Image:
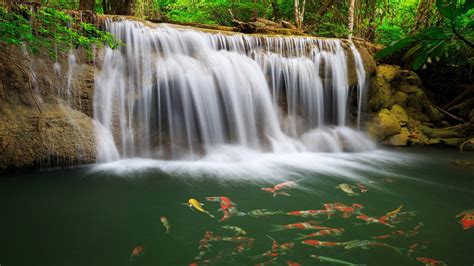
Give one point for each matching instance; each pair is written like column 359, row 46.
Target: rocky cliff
column 45, row 109
column 402, row 114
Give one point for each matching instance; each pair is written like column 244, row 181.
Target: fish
column 316, row 243
column 193, row 203
column 366, row 244
column 263, row 212
column 275, row 190
column 392, row 213
column 312, row 213
column 417, row 246
column 237, row 230
column 347, row 211
column 309, row 225
column 370, row 220
column 430, row 262
column 467, row 221
column 292, row 263
column 463, row 213
column 137, row 251
column 401, row 217
column 325, row 232
column 165, row 223
column 332, row 260
column 348, row 189
column 242, row 247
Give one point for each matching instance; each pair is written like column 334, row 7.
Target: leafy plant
column 50, row 30
column 438, row 43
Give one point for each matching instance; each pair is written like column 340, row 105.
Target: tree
column 118, row 7
column 422, row 15
column 299, row 13
column 351, row 18
column 87, row 5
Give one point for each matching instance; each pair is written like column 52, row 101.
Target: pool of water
column 96, row 215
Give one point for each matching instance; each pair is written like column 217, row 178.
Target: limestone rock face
column 402, row 114
column 45, row 110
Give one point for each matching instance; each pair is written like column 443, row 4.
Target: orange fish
column 137, row 251
column 467, row 221
column 292, row 263
column 317, row 243
column 417, row 246
column 371, row 220
column 347, row 211
column 430, row 262
column 310, row 225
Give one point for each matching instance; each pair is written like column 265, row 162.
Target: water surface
column 95, row 215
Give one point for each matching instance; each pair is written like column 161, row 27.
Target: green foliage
column 449, row 42
column 50, row 30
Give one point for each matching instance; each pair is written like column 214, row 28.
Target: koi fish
column 467, row 219
column 325, row 232
column 242, row 247
column 332, row 260
column 392, row 213
column 316, row 243
column 348, row 189
column 430, row 262
column 275, row 190
column 311, row 213
column 366, row 244
column 263, row 212
column 347, row 211
column 292, row 263
column 417, row 246
column 401, row 217
column 165, row 223
column 370, row 220
column 310, row 225
column 237, row 230
column 193, row 203
column 137, row 251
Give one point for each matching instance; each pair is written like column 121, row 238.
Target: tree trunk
column 299, row 13
column 351, row 18
column 255, row 10
column 422, row 15
column 87, row 5
column 118, row 7
column 275, row 10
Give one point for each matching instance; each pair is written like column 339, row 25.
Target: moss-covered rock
column 385, row 124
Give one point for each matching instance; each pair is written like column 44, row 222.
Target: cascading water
column 179, row 93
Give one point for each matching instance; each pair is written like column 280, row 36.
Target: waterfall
column 174, row 92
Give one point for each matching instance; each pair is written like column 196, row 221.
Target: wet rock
column 46, row 119
column 401, row 139
column 442, row 133
column 467, row 145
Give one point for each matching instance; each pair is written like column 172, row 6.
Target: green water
column 83, row 217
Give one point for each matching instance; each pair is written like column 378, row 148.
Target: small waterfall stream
column 177, row 93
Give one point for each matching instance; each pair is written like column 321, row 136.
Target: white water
column 184, row 94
